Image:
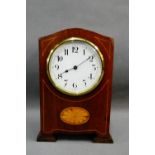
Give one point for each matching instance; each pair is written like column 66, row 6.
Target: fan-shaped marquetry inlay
column 74, row 115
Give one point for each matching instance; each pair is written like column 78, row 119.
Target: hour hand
column 67, row 70
column 64, row 71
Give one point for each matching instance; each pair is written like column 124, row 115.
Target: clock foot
column 101, row 139
column 46, row 138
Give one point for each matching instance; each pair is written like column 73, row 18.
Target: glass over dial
column 75, row 66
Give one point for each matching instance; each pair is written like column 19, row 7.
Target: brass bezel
column 71, row 40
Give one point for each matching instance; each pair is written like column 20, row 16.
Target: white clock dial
column 75, row 66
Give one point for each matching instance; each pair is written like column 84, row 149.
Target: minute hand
column 85, row 60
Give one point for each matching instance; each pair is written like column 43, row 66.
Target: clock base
column 46, row 138
column 105, row 139
column 51, row 138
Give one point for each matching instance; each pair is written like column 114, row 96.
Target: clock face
column 75, row 66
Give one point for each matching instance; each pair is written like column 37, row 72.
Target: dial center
column 75, row 67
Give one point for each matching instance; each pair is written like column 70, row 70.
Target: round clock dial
column 75, row 66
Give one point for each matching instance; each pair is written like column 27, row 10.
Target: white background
column 13, row 77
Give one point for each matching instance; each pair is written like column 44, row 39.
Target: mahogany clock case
column 97, row 102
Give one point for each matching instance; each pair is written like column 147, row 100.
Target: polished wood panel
column 97, row 102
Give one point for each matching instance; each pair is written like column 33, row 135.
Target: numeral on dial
column 84, row 81
column 94, row 66
column 59, row 58
column 91, row 58
column 56, row 66
column 65, row 82
column 66, row 51
column 75, row 49
column 90, row 76
column 59, row 76
column 74, row 85
column 84, row 52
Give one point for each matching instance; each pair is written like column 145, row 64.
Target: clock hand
column 85, row 60
column 76, row 66
column 67, row 70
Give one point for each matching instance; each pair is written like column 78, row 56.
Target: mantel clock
column 75, row 68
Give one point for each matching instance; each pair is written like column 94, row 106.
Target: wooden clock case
column 97, row 102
